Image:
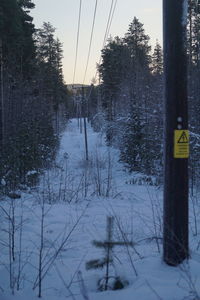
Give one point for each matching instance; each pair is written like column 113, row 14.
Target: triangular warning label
column 181, row 143
column 183, row 138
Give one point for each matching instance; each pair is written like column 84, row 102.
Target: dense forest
column 130, row 97
column 126, row 104
column 81, row 166
column 30, row 101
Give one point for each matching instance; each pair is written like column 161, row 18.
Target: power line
column 77, row 40
column 91, row 37
column 109, row 23
column 107, row 26
column 112, row 15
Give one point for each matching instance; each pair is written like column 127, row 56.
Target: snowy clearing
column 55, row 223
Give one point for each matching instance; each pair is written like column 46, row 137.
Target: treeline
column 130, row 96
column 193, row 46
column 130, row 99
column 32, row 92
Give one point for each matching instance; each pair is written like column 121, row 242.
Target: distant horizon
column 64, row 17
column 77, row 84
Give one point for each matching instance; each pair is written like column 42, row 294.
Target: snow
column 76, row 197
column 32, row 172
column 3, row 182
column 184, row 12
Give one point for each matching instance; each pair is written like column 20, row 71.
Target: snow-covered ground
column 59, row 219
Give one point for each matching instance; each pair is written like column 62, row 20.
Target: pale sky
column 63, row 15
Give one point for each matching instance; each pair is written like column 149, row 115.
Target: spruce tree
column 27, row 97
column 135, row 141
column 194, row 86
column 133, row 147
column 111, row 75
column 109, row 281
column 157, row 60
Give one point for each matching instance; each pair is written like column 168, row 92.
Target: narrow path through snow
column 78, row 198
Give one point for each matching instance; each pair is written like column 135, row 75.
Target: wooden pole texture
column 176, row 139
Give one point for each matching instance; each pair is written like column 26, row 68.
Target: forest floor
column 47, row 235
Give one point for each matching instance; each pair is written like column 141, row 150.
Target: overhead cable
column 108, row 22
column 108, row 26
column 77, row 40
column 112, row 16
column 90, row 44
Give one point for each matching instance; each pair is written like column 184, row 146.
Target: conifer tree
column 108, row 281
column 136, row 140
column 157, row 60
column 133, row 147
column 111, row 75
column 194, row 85
column 28, row 97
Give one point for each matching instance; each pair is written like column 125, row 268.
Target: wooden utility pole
column 85, row 125
column 1, row 95
column 175, row 241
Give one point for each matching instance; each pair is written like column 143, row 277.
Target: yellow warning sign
column 181, row 143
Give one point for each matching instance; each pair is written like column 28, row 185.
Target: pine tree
column 111, row 75
column 155, row 143
column 136, row 140
column 157, row 60
column 26, row 119
column 132, row 150
column 194, row 86
column 137, row 43
column 107, row 261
